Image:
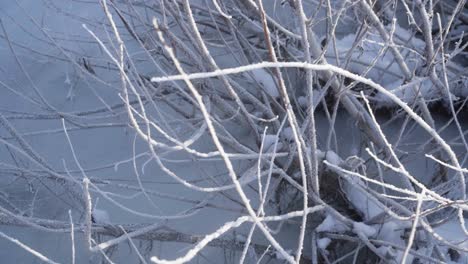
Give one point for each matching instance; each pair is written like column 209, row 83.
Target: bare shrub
column 298, row 131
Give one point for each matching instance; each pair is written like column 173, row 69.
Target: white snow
column 333, row 158
column 383, row 250
column 368, row 208
column 386, row 71
column 323, row 243
column 368, row 231
column 303, row 101
column 101, row 216
column 330, row 224
column 409, row 92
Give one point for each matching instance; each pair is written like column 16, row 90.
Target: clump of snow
column 320, row 154
column 303, row 101
column 361, row 202
column 410, row 92
column 266, row 81
column 323, row 243
column 354, row 188
column 359, row 199
column 333, row 158
column 330, row 224
column 101, row 216
column 386, row 71
column 368, row 231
